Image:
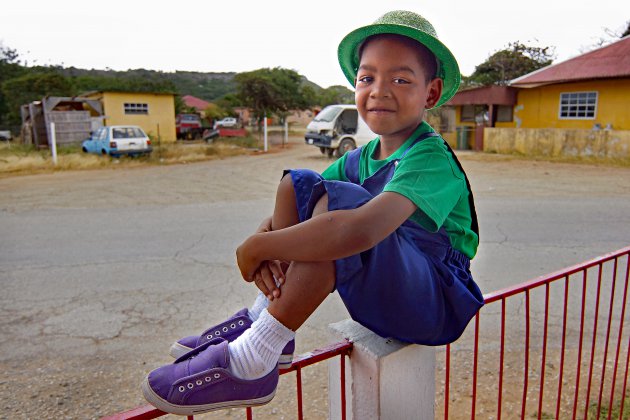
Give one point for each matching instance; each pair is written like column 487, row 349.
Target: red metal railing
column 561, row 349
column 341, row 349
column 527, row 348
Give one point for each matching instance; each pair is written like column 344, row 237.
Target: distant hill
column 207, row 86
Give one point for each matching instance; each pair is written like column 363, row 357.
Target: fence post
column 386, row 379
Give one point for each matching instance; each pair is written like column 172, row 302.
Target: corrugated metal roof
column 610, row 61
column 485, row 95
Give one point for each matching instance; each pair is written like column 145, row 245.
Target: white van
column 338, row 128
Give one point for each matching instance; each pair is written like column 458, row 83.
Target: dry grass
column 25, row 160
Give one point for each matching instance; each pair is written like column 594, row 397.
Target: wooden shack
column 74, row 118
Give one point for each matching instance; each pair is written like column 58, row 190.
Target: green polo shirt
column 430, row 178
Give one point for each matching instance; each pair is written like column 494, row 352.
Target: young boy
column 391, row 226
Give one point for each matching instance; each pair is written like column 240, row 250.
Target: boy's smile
column 391, row 89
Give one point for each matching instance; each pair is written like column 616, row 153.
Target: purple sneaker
column 200, row 382
column 229, row 330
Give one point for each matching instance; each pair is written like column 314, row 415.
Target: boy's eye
column 365, row 79
column 400, row 81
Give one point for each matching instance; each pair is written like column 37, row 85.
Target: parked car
column 5, row 135
column 228, row 122
column 118, row 140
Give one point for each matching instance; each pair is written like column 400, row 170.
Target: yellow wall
column 540, row 107
column 558, row 142
column 161, row 112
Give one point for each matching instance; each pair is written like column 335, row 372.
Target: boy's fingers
column 270, row 282
column 276, row 270
column 261, row 284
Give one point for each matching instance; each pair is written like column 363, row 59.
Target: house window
column 504, row 113
column 136, row 108
column 578, row 105
column 468, row 113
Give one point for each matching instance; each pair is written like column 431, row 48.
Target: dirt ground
column 54, row 367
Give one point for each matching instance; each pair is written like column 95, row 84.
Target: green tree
column 514, row 61
column 10, row 68
column 270, row 91
column 335, row 95
column 31, row 87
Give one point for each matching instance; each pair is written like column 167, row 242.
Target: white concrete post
column 385, row 379
column 53, row 143
column 265, row 132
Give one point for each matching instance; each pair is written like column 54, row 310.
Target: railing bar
column 447, row 380
column 190, row 418
column 619, row 337
column 625, row 379
column 526, row 367
column 594, row 342
column 610, row 313
column 563, row 345
column 298, row 378
column 249, row 413
column 531, row 284
column 544, row 353
column 581, row 338
column 476, row 357
column 343, row 386
column 501, row 358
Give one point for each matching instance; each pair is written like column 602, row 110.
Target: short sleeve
column 336, row 171
column 429, row 177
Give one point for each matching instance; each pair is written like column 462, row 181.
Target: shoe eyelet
column 225, row 329
column 217, row 332
column 241, row 323
column 199, row 382
column 217, row 376
column 208, row 379
column 190, row 385
column 182, row 389
column 209, row 336
column 233, row 326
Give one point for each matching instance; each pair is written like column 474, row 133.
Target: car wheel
column 345, row 146
column 104, row 152
column 84, row 150
column 323, row 150
column 330, row 152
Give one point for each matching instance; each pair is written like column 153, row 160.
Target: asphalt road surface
column 101, row 270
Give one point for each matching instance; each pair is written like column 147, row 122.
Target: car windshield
column 328, row 114
column 127, row 133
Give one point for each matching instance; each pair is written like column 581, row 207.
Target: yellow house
column 590, row 91
column 153, row 112
column 577, row 107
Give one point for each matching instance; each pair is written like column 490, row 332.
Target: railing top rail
column 539, row 281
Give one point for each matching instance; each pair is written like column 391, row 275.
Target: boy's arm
column 329, row 236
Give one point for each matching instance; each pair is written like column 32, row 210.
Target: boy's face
column 391, row 90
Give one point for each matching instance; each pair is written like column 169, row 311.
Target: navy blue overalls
column 412, row 286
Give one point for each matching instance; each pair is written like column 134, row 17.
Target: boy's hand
column 269, row 277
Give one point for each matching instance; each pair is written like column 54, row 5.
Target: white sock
column 259, row 305
column 256, row 352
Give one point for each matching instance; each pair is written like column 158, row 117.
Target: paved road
column 101, row 270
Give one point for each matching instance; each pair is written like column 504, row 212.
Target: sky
column 237, row 36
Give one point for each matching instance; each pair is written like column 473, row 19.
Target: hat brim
column 348, row 54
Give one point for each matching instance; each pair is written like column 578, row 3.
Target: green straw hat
column 413, row 26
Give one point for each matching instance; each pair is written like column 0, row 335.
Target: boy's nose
column 380, row 89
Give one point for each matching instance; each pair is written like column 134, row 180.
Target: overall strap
column 471, row 201
column 351, row 167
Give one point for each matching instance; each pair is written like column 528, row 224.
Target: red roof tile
column 194, row 102
column 610, row 61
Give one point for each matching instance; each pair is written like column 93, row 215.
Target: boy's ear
column 434, row 92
